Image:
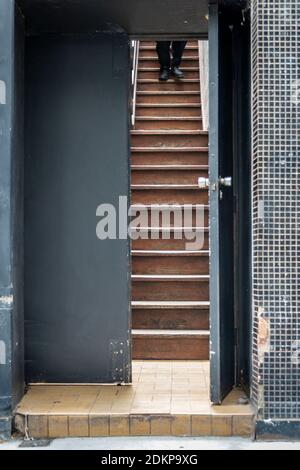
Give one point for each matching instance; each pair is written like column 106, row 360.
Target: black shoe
column 164, row 75
column 177, row 73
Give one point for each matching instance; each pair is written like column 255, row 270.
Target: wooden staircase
column 169, row 151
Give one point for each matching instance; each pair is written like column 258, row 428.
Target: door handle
column 227, row 181
column 204, row 183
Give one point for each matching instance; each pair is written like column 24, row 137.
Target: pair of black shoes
column 165, row 73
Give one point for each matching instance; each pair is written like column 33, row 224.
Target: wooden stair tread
column 171, row 80
column 169, row 253
column 168, row 105
column 168, row 132
column 155, row 58
column 167, row 305
column 168, row 206
column 170, row 277
column 153, row 48
column 168, row 92
column 170, row 229
column 164, row 333
column 169, row 167
column 167, row 186
column 169, row 149
column 168, row 118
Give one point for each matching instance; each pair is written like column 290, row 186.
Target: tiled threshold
column 166, row 398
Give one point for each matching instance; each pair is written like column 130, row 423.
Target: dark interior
column 142, row 18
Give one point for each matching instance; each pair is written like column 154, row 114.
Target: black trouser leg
column 163, row 52
column 177, row 48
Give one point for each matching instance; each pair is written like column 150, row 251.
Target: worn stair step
column 171, row 243
column 183, row 167
column 173, row 318
column 170, row 344
column 168, row 139
column 170, row 253
column 165, row 122
column 169, row 186
column 168, row 109
column 170, row 277
column 146, row 50
column 167, row 176
column 153, row 72
column 170, row 158
column 180, row 265
column 170, row 85
column 153, row 61
column 170, row 305
column 172, row 215
column 166, row 287
column 150, row 53
column 191, row 42
column 163, row 195
column 168, row 97
column 169, row 149
column 177, row 232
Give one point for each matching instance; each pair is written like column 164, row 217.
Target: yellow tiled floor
column 163, row 395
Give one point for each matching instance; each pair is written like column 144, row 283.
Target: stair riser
column 145, row 53
column 154, row 74
column 174, row 319
column 167, row 177
column 184, row 111
column 170, row 220
column 169, row 158
column 169, row 140
column 169, row 86
column 186, row 62
column 161, row 244
column 192, row 42
column 175, row 290
column 168, row 124
column 169, row 196
column 168, row 99
column 170, row 265
column 171, row 349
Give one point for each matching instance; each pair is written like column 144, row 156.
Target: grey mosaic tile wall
column 276, row 207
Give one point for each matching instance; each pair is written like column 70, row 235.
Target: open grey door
column 222, row 347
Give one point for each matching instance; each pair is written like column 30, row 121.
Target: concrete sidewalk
column 155, row 443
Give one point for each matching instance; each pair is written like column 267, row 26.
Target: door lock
column 227, row 181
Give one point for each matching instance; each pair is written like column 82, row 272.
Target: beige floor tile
column 160, row 389
column 58, row 426
column 139, row 425
column 99, row 426
column 119, row 426
column 160, row 425
column 79, row 426
column 181, row 425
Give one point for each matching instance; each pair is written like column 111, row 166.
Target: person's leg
column 177, row 49
column 163, row 52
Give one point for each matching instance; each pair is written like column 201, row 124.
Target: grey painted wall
column 76, row 157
